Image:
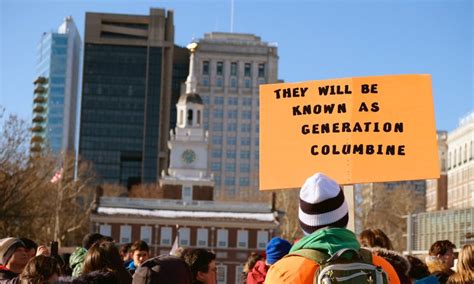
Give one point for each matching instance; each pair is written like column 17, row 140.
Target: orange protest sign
column 356, row 130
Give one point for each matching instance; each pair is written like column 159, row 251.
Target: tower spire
column 191, row 80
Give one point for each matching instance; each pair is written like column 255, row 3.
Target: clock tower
column 188, row 176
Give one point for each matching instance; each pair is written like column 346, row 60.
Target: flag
column 175, row 247
column 57, row 176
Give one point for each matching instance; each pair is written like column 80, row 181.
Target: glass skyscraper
column 125, row 111
column 56, row 90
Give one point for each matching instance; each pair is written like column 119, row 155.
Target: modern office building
column 56, row 90
column 461, row 164
column 423, row 229
column 437, row 189
column 127, row 87
column 229, row 69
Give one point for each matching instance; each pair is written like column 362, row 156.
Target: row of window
column 232, row 154
column 218, row 100
column 245, row 127
column 233, row 69
column 233, row 82
column 231, row 140
column 202, row 236
column 217, row 153
column 244, row 168
column 459, row 156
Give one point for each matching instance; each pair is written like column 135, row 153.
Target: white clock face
column 188, row 156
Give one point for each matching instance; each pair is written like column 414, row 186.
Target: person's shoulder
column 6, row 274
column 10, row 281
column 292, row 269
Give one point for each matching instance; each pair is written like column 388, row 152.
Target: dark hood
column 97, row 277
column 397, row 260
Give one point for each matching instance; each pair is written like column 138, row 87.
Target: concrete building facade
column 229, row 68
column 461, row 164
column 423, row 229
column 127, row 87
column 56, row 97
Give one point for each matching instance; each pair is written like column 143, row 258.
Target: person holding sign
column 323, row 217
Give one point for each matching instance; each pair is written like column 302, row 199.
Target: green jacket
column 328, row 240
column 300, row 270
column 76, row 261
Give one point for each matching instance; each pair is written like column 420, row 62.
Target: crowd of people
column 328, row 253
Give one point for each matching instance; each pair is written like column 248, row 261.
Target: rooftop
column 168, row 204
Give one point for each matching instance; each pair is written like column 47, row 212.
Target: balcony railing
column 38, row 119
column 37, row 128
column 35, row 148
column 39, row 99
column 37, row 138
column 40, row 80
column 40, row 90
column 38, row 109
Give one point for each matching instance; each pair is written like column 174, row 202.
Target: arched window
column 465, row 152
column 190, row 117
column 198, row 117
column 472, row 151
column 454, row 158
column 180, row 118
column 460, row 156
column 449, row 160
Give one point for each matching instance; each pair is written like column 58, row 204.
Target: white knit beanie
column 322, row 204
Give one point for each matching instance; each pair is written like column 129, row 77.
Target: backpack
column 336, row 269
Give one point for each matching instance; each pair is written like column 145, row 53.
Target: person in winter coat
column 465, row 266
column 397, row 260
column 441, row 259
column 41, row 269
column 249, row 265
column 323, row 216
column 275, row 250
column 203, row 265
column 76, row 261
column 104, row 265
column 13, row 259
column 418, row 269
column 140, row 253
column 163, row 269
column 378, row 242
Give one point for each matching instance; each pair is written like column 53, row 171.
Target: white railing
column 164, row 204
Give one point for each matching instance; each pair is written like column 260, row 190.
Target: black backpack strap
column 366, row 255
column 340, row 252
